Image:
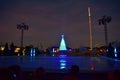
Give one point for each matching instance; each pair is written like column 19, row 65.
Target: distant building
column 55, row 49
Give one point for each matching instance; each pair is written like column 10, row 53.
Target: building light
column 23, row 52
column 115, row 52
column 17, row 50
column 115, row 55
column 2, row 48
column 32, row 52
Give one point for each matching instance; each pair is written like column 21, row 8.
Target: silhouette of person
column 12, row 48
column 6, row 74
column 40, row 74
column 6, row 50
column 16, row 71
column 110, row 50
column 73, row 73
column 117, row 74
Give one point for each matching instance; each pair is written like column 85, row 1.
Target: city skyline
column 49, row 19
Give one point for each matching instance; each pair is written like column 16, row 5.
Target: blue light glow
column 115, row 52
column 62, row 67
column 32, row 52
column 62, row 55
column 62, row 44
column 53, row 55
column 63, row 62
column 14, row 75
column 115, row 55
column 107, row 50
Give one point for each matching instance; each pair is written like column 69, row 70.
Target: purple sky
column 49, row 19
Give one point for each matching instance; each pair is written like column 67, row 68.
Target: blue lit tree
column 62, row 44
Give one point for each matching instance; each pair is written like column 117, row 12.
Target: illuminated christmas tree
column 62, row 44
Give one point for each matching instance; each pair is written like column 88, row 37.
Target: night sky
column 49, row 19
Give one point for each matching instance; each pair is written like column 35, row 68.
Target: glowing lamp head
column 62, row 36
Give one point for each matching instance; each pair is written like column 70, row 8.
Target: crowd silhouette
column 15, row 72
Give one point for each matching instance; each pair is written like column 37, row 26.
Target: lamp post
column 90, row 27
column 103, row 21
column 22, row 27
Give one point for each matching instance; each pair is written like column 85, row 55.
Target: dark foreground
column 15, row 73
column 59, row 68
column 112, row 75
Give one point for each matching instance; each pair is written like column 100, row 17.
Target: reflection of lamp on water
column 62, row 64
column 92, row 66
column 62, row 61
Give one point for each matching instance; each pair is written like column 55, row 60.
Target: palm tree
column 104, row 21
column 22, row 27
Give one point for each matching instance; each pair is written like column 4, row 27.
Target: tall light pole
column 103, row 21
column 90, row 27
column 22, row 27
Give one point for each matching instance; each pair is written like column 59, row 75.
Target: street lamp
column 22, row 27
column 90, row 28
column 103, row 21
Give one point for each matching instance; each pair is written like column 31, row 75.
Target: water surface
column 61, row 63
